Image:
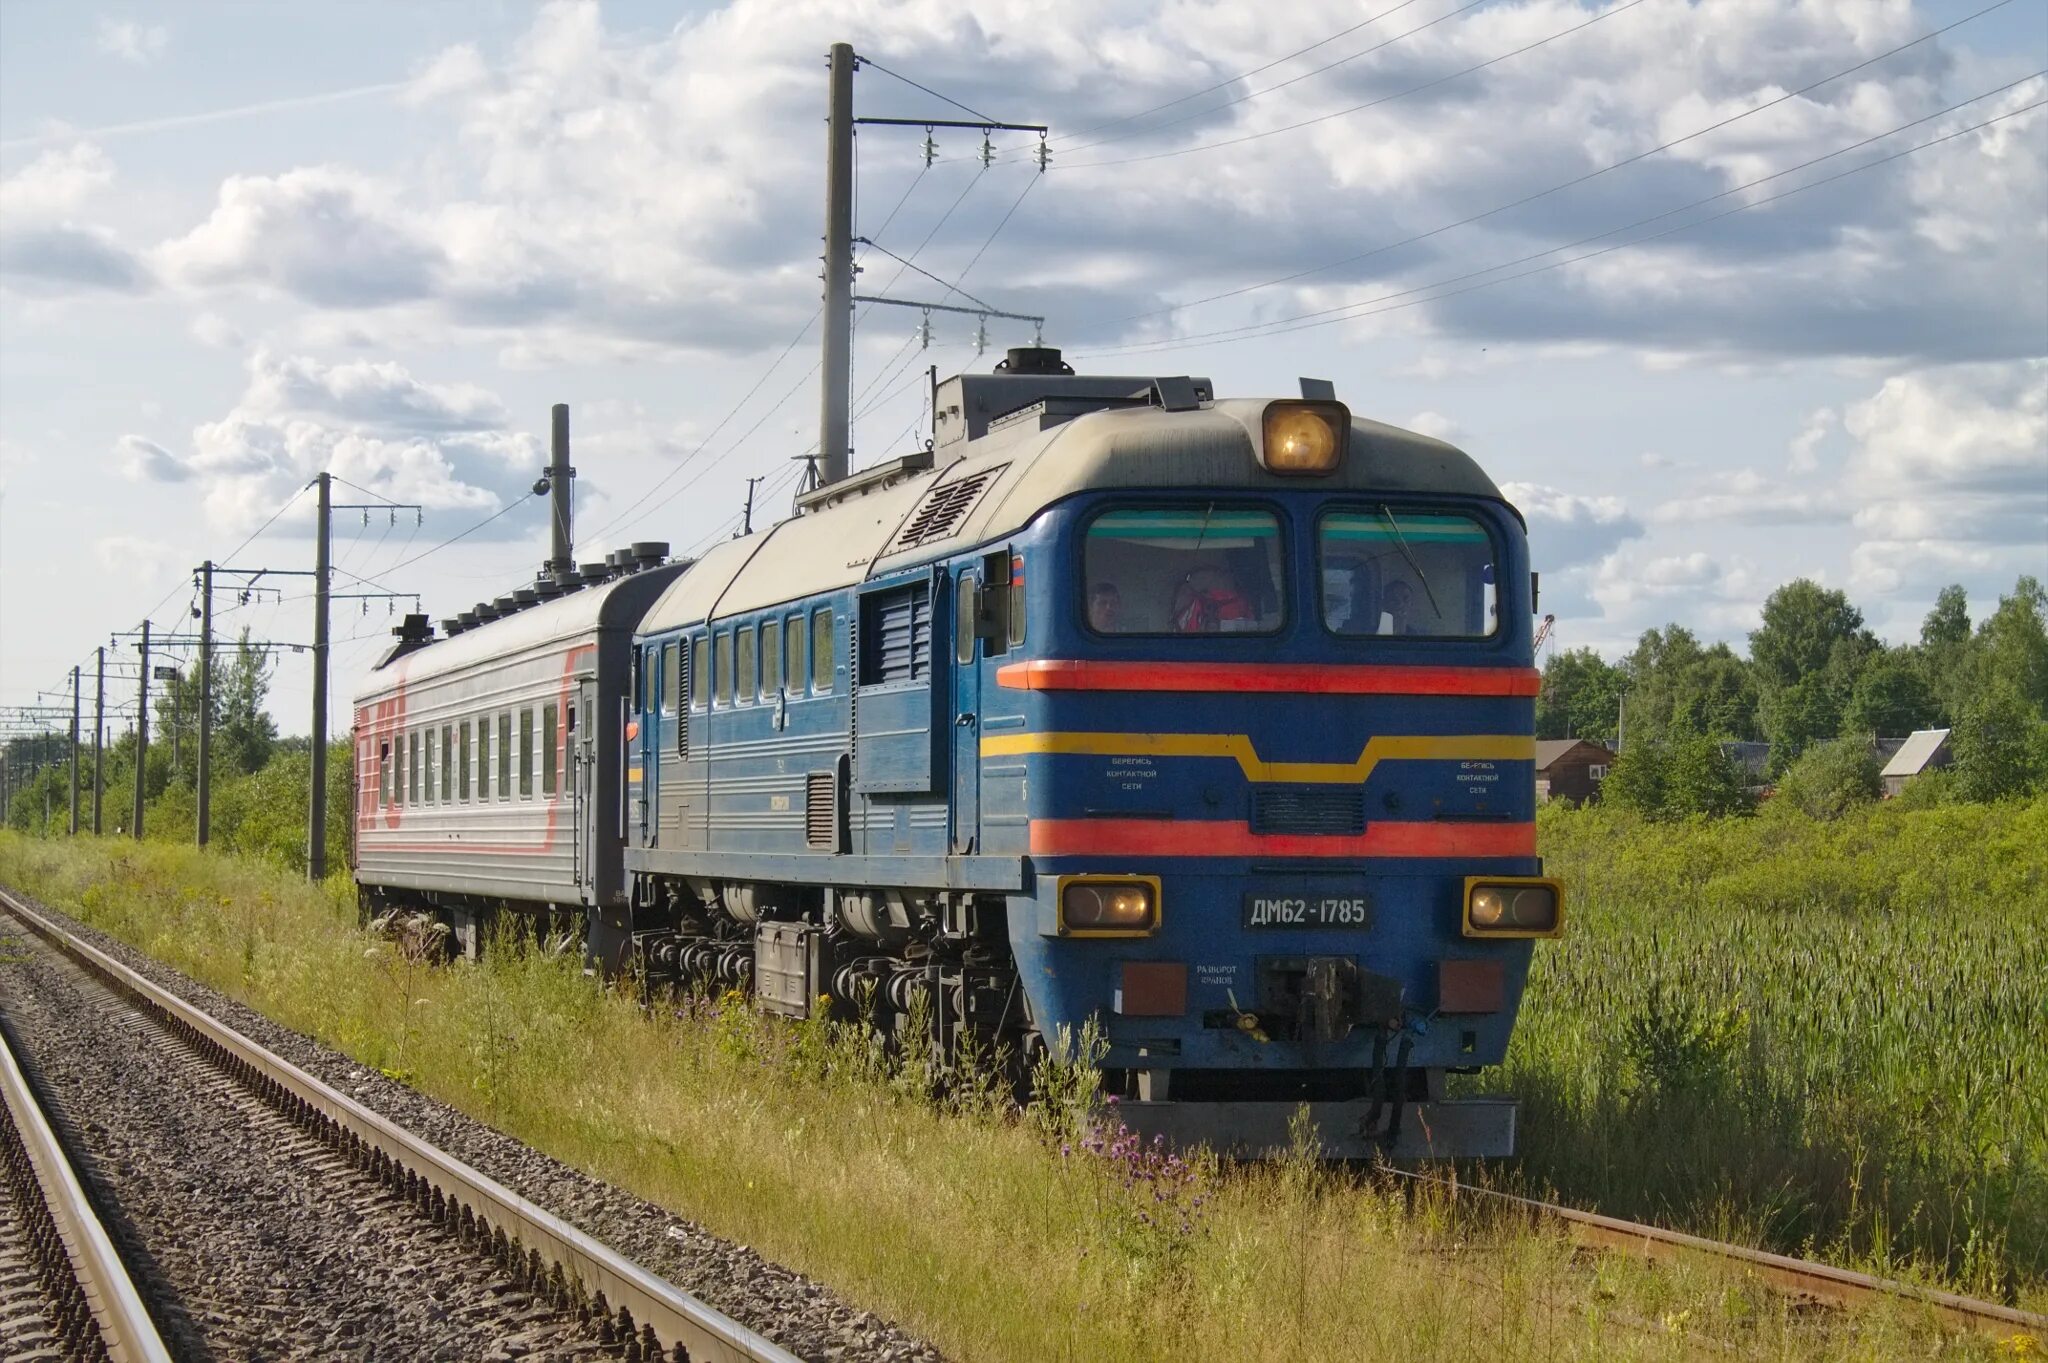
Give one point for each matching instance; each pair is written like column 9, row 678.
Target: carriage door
column 583, row 778
column 966, row 713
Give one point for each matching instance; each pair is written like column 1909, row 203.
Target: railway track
column 64, row 1292
column 1801, row 1277
column 533, row 1264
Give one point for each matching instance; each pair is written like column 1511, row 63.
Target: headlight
column 1108, row 906
column 1305, row 437
column 1513, row 907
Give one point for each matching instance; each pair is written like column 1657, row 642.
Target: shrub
column 1830, row 779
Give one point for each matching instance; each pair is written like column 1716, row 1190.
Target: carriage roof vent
column 649, row 552
column 505, row 605
column 468, row 620
column 594, row 573
column 452, row 625
column 1033, row 359
column 943, row 508
column 526, row 596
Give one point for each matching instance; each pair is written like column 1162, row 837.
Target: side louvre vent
column 821, row 811
column 898, row 641
column 943, row 508
column 1314, row 810
column 683, row 699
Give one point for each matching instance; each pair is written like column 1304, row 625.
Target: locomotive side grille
column 1311, row 810
column 943, row 508
column 821, row 811
column 683, row 700
column 900, row 642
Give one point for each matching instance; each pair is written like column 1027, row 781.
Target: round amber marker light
column 1300, row 440
column 1489, row 906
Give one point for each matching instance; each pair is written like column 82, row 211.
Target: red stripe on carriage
column 1057, row 674
column 1234, row 838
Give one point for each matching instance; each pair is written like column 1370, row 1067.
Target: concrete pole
column 561, row 498
column 74, row 752
column 316, row 832
column 141, row 730
column 837, row 372
column 99, row 728
column 205, row 700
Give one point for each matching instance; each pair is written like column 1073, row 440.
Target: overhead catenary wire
column 1577, row 180
column 1431, row 84
column 1369, row 308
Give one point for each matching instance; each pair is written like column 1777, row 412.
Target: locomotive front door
column 966, row 708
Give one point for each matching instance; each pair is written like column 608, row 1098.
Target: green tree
column 1677, row 777
column 1944, row 647
column 1715, row 695
column 1831, row 778
column 246, row 734
column 2000, row 749
column 1638, row 778
column 1891, row 697
column 1802, row 623
column 1580, row 695
column 2011, row 646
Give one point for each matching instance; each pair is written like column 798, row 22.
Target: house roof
column 1913, row 756
column 1549, row 750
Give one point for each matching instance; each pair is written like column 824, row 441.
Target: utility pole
column 834, row 418
column 141, row 728
column 316, row 816
column 747, row 516
column 205, row 793
column 74, row 752
column 558, row 480
column 833, row 422
column 323, row 600
column 99, row 711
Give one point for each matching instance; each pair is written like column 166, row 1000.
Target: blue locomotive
column 1210, row 721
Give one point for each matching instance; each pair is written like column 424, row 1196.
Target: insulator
column 988, row 150
column 1044, row 154
column 981, row 336
column 931, row 149
column 924, row 333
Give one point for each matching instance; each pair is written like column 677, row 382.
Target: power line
column 1602, row 17
column 1242, row 75
column 1367, row 308
column 1576, row 180
column 870, row 61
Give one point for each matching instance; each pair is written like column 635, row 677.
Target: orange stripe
column 1057, row 674
column 1229, row 838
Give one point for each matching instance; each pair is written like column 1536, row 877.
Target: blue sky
column 240, row 242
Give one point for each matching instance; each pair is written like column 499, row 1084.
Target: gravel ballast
column 801, row 1315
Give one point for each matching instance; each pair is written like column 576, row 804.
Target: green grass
column 1831, row 1035
column 970, row 1226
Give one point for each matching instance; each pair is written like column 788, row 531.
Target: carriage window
column 383, row 773
column 771, row 656
column 964, row 611
column 505, row 755
column 427, row 768
column 525, row 752
column 1389, row 571
column 671, row 677
column 722, row 666
column 821, row 651
column 748, row 684
column 447, row 764
column 793, row 675
column 1212, row 569
column 412, row 770
column 700, row 672
column 548, row 724
column 462, row 761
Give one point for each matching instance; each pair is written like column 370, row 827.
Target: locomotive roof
column 617, row 604
column 1026, row 463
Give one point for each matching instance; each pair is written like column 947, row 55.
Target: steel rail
column 654, row 1317
column 1824, row 1282
column 126, row 1332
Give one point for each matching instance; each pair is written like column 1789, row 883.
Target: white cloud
column 216, row 332
column 447, row 447
column 1435, row 425
column 145, row 461
column 1804, row 450
column 44, row 246
column 139, row 44
column 1747, row 497
column 1950, row 475
column 135, row 558
column 1567, row 529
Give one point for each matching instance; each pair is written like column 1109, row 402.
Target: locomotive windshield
column 1207, row 569
column 1388, row 571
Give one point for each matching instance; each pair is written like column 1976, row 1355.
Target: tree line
column 1820, row 688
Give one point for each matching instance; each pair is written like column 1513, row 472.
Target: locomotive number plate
column 1284, row 909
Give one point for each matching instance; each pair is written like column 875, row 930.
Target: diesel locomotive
column 1207, row 720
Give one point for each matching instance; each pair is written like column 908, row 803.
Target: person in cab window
column 1209, row 602
column 1105, row 608
column 1397, row 609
